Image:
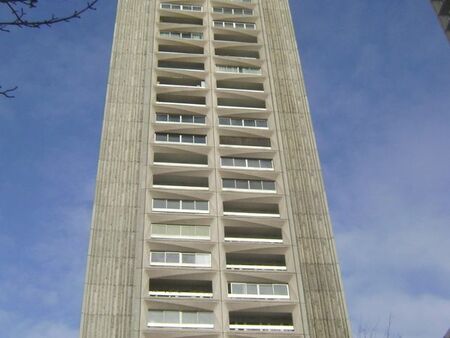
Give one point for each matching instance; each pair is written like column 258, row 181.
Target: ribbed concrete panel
column 308, row 211
column 110, row 278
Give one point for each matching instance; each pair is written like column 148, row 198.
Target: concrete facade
column 210, row 217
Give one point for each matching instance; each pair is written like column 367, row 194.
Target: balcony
column 180, row 259
column 240, row 86
column 180, row 82
column 180, row 119
column 195, row 66
column 257, row 321
column 180, row 7
column 243, row 123
column 168, row 181
column 258, row 291
column 238, row 70
column 253, row 235
column 238, row 53
column 181, row 232
column 190, row 100
column 237, row 103
column 246, row 163
column 260, row 186
column 180, row 206
column 181, row 20
column 236, row 38
column 245, row 142
column 234, row 25
column 233, row 11
column 180, row 49
column 255, row 262
column 167, row 288
column 180, row 319
column 249, row 209
column 182, row 35
column 181, row 159
column 187, row 139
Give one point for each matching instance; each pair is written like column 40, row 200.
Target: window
column 202, row 260
column 246, row 163
column 245, row 123
column 238, row 25
column 248, row 184
column 237, row 69
column 250, row 290
column 233, row 11
column 180, row 205
column 182, row 35
column 180, row 231
column 180, row 138
column 180, row 319
column 194, row 8
column 176, row 118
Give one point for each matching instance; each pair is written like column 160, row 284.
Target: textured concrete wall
column 110, row 279
column 319, row 268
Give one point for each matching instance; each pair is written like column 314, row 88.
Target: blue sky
column 377, row 74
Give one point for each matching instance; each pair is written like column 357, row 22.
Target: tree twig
column 7, row 92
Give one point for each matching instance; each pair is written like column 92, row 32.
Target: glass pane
column 173, row 204
column 265, row 289
column 228, row 183
column 252, row 289
column 203, row 259
column 187, row 118
column 161, row 117
column 158, row 257
column 226, row 161
column 241, row 184
column 261, row 123
column 197, row 8
column 217, row 10
column 158, row 229
column 161, row 137
column 176, row 6
column 200, row 119
column 253, row 163
column 280, row 289
column 266, row 163
column 174, row 138
column 187, row 7
column 188, row 205
column 228, row 10
column 188, row 231
column 249, row 123
column 174, row 118
column 201, row 205
column 188, row 258
column 156, row 317
column 248, row 11
column 238, row 289
column 200, row 139
column 205, row 318
column 172, row 257
column 171, row 317
column 202, row 231
column 187, row 138
column 159, row 204
column 240, row 162
column 224, row 121
column 173, row 230
column 236, row 122
column 255, row 185
column 229, row 25
column 240, row 25
column 268, row 185
column 189, row 318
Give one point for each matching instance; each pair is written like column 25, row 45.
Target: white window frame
column 223, row 24
column 180, row 139
column 180, row 119
column 234, row 11
column 247, row 161
column 258, row 288
column 248, row 186
column 184, row 7
column 242, row 125
column 179, row 35
column 238, row 70
column 181, row 210
column 180, row 323
column 180, row 235
column 180, row 259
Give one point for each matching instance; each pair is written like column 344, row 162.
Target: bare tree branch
column 19, row 16
column 7, row 92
